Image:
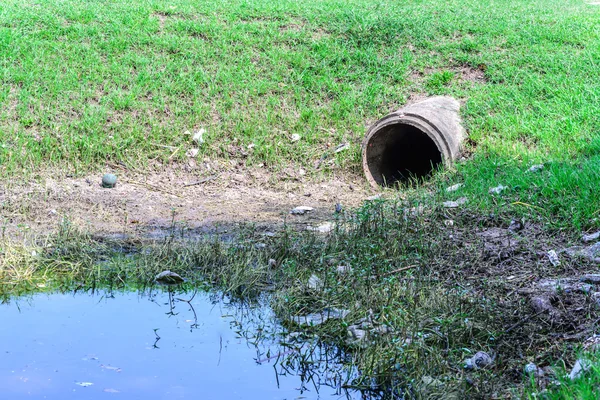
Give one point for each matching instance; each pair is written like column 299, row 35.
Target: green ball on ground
column 109, row 181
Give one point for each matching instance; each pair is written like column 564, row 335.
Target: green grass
column 86, row 82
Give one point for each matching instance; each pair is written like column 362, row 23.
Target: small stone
column 295, row 137
column 498, row 189
column 301, row 210
column 109, row 181
column 553, row 257
column 168, row 278
column 454, row 188
column 454, row 204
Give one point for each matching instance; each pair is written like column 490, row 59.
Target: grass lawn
column 85, row 82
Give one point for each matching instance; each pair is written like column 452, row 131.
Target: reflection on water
column 159, row 345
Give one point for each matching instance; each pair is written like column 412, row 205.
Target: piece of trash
column 448, row 222
column 480, row 360
column 530, row 368
column 295, row 137
column 301, row 210
column 343, row 269
column 591, row 237
column 553, row 257
column 108, row 390
column 251, row 146
column 338, row 208
column 498, row 189
column 454, row 188
column 323, row 228
column 168, row 278
column 536, row 168
column 375, row 197
column 454, row 204
column 319, row 318
column 84, row 384
column 315, row 283
column 109, row 181
column 341, row 147
column 198, row 137
column 52, row 212
column 581, row 365
column 192, row 152
column 272, row 263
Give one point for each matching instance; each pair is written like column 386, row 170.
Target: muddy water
column 155, row 345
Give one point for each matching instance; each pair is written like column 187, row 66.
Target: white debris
column 591, row 237
column 295, row 137
column 319, row 318
column 323, row 228
column 375, row 197
column 456, row 203
column 454, row 188
column 582, row 365
column 530, row 368
column 198, row 137
column 343, row 269
column 553, row 257
column 192, row 152
column 448, row 222
column 341, row 147
column 498, row 189
column 315, row 283
column 251, row 146
column 536, row 168
column 480, row 360
column 84, row 384
column 168, row 278
column 301, row 210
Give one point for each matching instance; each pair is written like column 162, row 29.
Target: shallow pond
column 157, row 344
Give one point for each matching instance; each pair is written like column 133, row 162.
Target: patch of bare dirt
column 142, row 203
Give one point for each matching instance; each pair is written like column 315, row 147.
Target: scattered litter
column 480, row 360
column 454, row 188
column 192, row 152
column 323, row 228
column 84, row 384
column 591, row 237
column 498, row 189
column 319, row 318
column 198, row 137
column 456, row 203
column 343, row 269
column 109, row 181
column 168, row 278
column 536, row 168
column 553, row 257
column 301, row 210
column 341, row 147
column 375, row 197
column 295, row 137
column 315, row 283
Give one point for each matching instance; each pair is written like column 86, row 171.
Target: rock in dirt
column 591, row 237
column 109, row 181
column 301, row 210
column 168, row 278
column 553, row 257
column 454, row 188
column 454, row 204
column 498, row 189
column 480, row 360
column 319, row 318
column 592, row 253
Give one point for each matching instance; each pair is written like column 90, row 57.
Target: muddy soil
column 146, row 203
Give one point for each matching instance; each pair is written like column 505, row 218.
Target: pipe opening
column 401, row 153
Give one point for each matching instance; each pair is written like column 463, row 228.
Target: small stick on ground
column 201, row 181
column 400, row 270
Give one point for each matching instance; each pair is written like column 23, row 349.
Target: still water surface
column 154, row 345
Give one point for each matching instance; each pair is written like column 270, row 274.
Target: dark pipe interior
column 401, row 153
